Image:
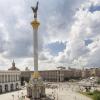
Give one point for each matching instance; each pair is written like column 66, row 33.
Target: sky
column 69, row 33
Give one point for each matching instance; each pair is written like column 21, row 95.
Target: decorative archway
column 0, row 89
column 11, row 87
column 6, row 87
column 17, row 86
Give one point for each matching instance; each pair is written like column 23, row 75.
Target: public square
column 54, row 47
column 65, row 91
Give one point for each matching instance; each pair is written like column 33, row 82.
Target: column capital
column 35, row 24
column 36, row 74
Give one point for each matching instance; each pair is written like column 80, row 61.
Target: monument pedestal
column 36, row 88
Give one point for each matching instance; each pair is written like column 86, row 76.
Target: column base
column 36, row 89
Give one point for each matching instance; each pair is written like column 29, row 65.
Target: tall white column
column 10, row 77
column 7, row 78
column 35, row 48
column 9, row 89
column 35, row 24
column 3, row 88
column 4, row 77
column 0, row 79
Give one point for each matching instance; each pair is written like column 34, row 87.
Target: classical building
column 13, row 68
column 59, row 75
column 10, row 80
column 90, row 72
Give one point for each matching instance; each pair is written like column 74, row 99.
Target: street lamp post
column 13, row 97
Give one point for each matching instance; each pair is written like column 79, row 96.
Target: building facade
column 59, row 75
column 90, row 72
column 10, row 79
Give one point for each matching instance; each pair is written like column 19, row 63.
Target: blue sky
column 88, row 41
column 69, row 33
column 56, row 47
column 94, row 8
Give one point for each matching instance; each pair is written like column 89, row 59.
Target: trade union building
column 10, row 79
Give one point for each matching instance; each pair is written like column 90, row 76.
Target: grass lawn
column 94, row 95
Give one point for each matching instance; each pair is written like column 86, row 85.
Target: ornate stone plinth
column 36, row 89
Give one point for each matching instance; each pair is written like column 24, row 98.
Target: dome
column 14, row 68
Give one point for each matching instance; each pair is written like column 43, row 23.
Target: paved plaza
column 65, row 91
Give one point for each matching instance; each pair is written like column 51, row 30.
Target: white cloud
column 85, row 26
column 60, row 21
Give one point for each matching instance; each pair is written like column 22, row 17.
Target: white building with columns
column 10, row 80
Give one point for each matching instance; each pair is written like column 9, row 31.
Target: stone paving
column 63, row 92
column 66, row 92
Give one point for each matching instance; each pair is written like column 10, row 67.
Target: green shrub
column 98, row 81
column 96, row 92
column 96, row 96
column 89, row 93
